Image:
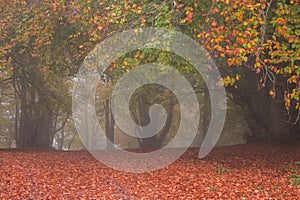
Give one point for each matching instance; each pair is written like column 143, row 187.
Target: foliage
column 46, row 41
column 261, row 35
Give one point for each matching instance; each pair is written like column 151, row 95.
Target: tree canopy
column 43, row 43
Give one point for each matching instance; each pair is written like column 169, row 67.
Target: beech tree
column 42, row 46
column 255, row 44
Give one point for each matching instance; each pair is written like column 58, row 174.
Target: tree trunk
column 265, row 116
column 71, row 141
column 206, row 113
column 157, row 140
column 35, row 127
column 109, row 122
column 61, row 140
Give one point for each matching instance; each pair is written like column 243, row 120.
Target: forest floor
column 254, row 171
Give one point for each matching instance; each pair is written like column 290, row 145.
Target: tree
column 44, row 43
column 38, row 90
column 259, row 36
column 256, row 47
